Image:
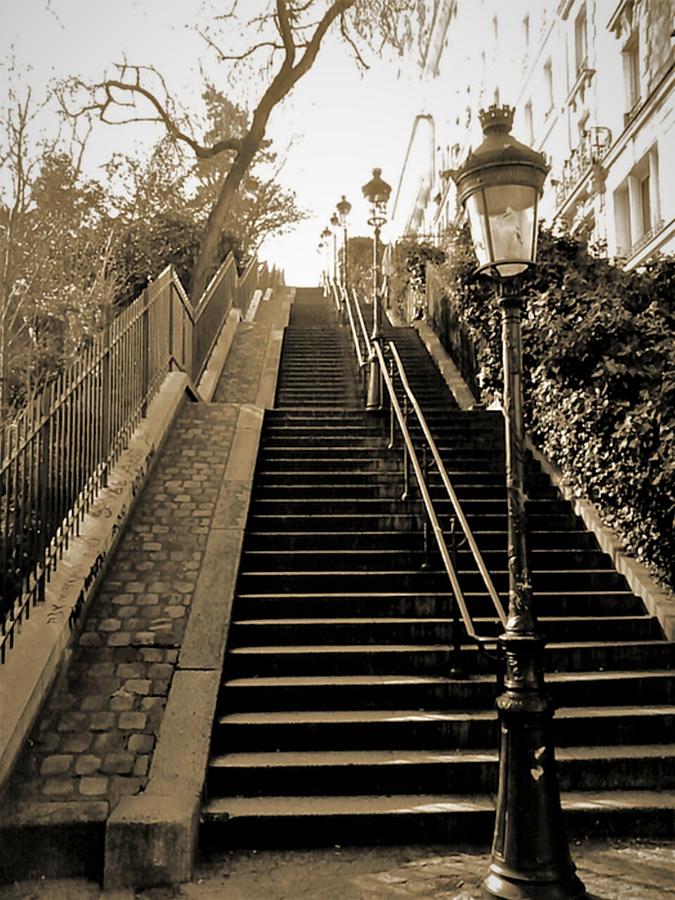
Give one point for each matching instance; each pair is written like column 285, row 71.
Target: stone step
column 436, row 659
column 359, row 505
column 477, row 728
column 582, row 603
column 541, row 542
column 364, row 631
column 336, row 692
column 412, row 557
column 390, row 772
column 430, row 580
column 292, row 821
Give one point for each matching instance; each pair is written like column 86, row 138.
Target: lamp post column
column 530, row 855
column 374, row 394
column 376, row 192
column 335, row 262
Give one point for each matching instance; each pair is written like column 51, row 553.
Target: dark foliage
column 599, row 348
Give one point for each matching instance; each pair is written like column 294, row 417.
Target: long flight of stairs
column 338, row 720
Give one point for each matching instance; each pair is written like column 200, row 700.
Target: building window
column 580, row 40
column 636, row 205
column 631, row 69
column 548, row 85
column 529, row 126
column 624, row 237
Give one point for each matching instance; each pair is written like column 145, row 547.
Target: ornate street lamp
column 325, row 235
column 335, row 224
column 344, row 208
column 499, row 185
column 376, row 192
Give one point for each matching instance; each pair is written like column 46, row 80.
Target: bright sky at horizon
column 334, row 127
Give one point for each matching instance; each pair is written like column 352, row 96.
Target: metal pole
column 345, row 263
column 335, row 263
column 374, row 397
column 530, row 854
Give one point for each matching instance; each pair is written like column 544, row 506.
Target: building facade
column 592, row 85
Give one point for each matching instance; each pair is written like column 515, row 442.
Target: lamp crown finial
column 496, row 119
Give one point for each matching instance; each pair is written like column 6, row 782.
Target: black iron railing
column 57, row 454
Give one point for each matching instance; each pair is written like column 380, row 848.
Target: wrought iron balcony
column 594, row 144
column 627, row 253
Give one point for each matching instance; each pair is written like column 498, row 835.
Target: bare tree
column 287, row 36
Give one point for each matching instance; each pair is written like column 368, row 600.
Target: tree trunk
column 289, row 73
column 216, row 222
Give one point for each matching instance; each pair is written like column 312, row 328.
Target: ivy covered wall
column 599, row 348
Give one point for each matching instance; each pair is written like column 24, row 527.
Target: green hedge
column 599, row 349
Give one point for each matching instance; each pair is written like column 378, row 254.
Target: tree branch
column 237, row 57
column 350, row 40
column 135, row 88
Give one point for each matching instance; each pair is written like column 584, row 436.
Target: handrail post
column 425, row 527
column 392, row 434
column 456, row 670
column 106, row 393
column 406, row 467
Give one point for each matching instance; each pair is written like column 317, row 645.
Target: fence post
column 172, row 357
column 145, row 351
column 106, row 399
column 44, row 484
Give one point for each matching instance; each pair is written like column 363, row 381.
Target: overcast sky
column 338, row 123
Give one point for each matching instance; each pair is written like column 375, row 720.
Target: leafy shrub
column 599, row 356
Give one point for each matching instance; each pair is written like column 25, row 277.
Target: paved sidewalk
column 94, row 739
column 611, row 871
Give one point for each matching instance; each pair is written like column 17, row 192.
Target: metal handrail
column 445, row 478
column 364, row 330
column 336, row 296
column 429, row 507
column 374, row 348
column 352, row 327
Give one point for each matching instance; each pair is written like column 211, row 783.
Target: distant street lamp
column 499, row 185
column 344, row 208
column 376, row 192
column 325, row 235
column 335, row 224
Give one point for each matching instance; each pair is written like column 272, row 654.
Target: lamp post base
column 530, row 854
column 510, row 888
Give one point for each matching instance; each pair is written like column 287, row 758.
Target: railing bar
column 438, row 531
column 449, row 488
column 33, row 520
column 364, row 330
column 352, row 326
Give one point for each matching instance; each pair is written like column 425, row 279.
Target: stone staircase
column 338, row 721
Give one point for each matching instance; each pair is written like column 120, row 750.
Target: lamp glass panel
column 509, row 212
column 475, row 207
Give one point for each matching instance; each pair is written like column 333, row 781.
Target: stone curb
column 458, row 387
column 270, row 372
column 659, row 601
column 216, row 363
column 45, row 640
